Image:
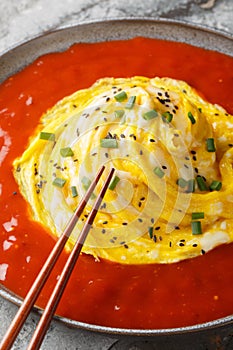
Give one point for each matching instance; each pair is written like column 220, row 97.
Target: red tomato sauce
column 106, row 293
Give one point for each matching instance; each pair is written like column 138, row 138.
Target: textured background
column 22, row 19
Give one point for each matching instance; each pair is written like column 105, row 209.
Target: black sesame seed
column 14, row 193
column 139, row 204
column 170, row 244
column 160, row 94
column 196, row 170
column 164, row 167
column 107, row 99
column 152, row 140
column 105, row 222
column 154, row 238
column 157, row 228
column 142, row 198
column 103, row 231
column 202, row 251
column 177, row 228
column 125, row 245
column 186, row 166
column 152, row 220
column 230, row 144
column 111, row 241
column 181, row 244
column 176, row 135
column 187, row 158
column 140, row 220
column 195, row 245
column 194, row 158
column 141, row 153
column 122, row 136
column 193, row 152
column 124, row 223
column 106, row 155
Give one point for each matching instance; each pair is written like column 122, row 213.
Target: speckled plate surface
column 18, row 57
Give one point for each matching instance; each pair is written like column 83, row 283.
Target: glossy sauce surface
column 110, row 294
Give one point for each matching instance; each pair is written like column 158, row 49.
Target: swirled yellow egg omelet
column 172, row 195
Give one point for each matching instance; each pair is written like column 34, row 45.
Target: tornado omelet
column 172, row 196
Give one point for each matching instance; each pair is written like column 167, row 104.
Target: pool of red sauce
column 105, row 293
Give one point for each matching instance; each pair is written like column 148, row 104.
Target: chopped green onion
column 181, row 182
column 167, row 117
column 150, row 114
column 121, row 96
column 191, row 117
column 216, row 185
column 108, row 143
column 150, row 231
column 74, row 191
column 210, row 145
column 198, row 215
column 159, row 172
column 86, row 182
column 66, row 152
column 119, row 113
column 59, row 182
column 191, row 185
column 130, row 102
column 196, row 227
column 201, row 183
column 47, row 136
column 113, row 183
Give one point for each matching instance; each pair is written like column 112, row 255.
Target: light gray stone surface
column 22, row 19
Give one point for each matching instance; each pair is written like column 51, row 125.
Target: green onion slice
column 182, row 183
column 216, row 185
column 198, row 215
column 150, row 114
column 201, row 183
column 191, row 117
column 210, row 145
column 196, row 227
column 121, row 96
column 167, row 117
column 119, row 113
column 130, row 102
column 59, row 182
column 86, row 182
column 113, row 183
column 191, row 185
column 150, row 231
column 47, row 136
column 66, row 152
column 74, row 191
column 108, row 143
column 159, row 172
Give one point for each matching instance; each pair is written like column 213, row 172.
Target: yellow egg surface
column 172, row 194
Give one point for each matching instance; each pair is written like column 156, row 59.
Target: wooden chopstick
column 42, row 277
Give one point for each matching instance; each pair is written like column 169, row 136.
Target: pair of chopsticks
column 44, row 273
